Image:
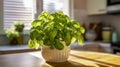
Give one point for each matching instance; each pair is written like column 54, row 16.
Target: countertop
column 76, row 59
column 7, row 49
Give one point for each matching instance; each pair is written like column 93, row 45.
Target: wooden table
column 16, row 49
column 76, row 59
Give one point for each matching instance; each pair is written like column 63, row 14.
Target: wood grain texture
column 18, row 51
column 76, row 59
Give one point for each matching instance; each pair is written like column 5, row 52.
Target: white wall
column 80, row 12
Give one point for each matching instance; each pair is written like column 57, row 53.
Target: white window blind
column 52, row 5
column 57, row 5
column 18, row 10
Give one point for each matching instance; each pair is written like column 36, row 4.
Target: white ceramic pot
column 55, row 55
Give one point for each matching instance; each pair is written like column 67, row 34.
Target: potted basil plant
column 55, row 32
column 19, row 26
column 12, row 36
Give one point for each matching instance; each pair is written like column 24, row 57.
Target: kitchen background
column 79, row 12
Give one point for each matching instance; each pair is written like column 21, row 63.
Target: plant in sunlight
column 19, row 26
column 12, row 36
column 55, row 30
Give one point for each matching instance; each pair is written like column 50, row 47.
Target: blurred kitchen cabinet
column 95, row 7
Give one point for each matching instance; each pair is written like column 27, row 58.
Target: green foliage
column 55, row 30
column 11, row 34
column 19, row 26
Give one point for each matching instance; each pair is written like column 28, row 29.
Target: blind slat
column 17, row 11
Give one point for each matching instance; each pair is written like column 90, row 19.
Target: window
column 18, row 10
column 52, row 5
column 57, row 5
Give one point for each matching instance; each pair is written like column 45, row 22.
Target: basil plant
column 55, row 30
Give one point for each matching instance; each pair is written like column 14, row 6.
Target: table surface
column 76, row 59
column 15, row 49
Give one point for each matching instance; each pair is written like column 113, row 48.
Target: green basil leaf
column 59, row 46
column 80, row 40
column 82, row 30
column 73, row 39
